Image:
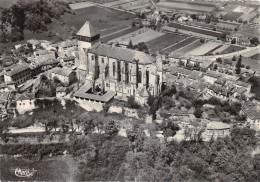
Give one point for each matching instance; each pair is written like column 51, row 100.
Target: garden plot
column 179, row 45
column 233, row 16
column 222, row 48
column 142, row 35
column 189, row 47
column 164, row 41
column 205, row 48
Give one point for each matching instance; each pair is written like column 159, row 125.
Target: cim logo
column 25, row 173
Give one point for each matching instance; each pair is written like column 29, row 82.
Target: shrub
column 197, row 113
column 202, row 40
column 247, row 67
column 132, row 103
column 168, row 102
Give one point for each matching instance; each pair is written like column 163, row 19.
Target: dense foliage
column 29, row 15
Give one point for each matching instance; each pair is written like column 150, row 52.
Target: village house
column 44, row 54
column 68, row 61
column 217, row 129
column 7, row 87
column 4, row 99
column 18, row 73
column 195, row 75
column 217, row 91
column 42, row 65
column 25, row 102
column 247, row 86
column 65, row 75
column 211, row 76
column 61, row 91
column 252, row 111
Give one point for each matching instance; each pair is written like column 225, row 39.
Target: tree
column 150, row 100
column 169, row 128
column 234, row 58
column 111, row 129
column 132, row 103
column 238, row 65
column 130, row 45
column 254, row 41
column 198, row 113
column 167, row 102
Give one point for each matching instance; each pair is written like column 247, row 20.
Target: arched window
column 114, row 68
column 92, row 57
column 102, row 60
column 139, row 77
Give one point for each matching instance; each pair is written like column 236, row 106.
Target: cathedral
column 124, row 71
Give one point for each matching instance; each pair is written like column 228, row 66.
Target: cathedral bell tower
column 87, row 36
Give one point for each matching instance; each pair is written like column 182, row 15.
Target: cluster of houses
column 107, row 71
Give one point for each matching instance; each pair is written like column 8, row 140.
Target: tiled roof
column 62, row 71
column 68, row 43
column 82, row 93
column 122, row 53
column 61, row 89
column 17, row 68
column 4, row 97
column 42, row 52
column 252, row 110
column 217, row 126
column 213, row 74
column 195, row 75
column 206, row 63
column 218, row 89
column 242, row 84
column 88, row 30
column 25, row 96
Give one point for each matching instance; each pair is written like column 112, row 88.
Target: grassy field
column 142, row 35
column 164, row 41
column 179, row 45
column 53, row 169
column 232, row 48
column 194, row 29
column 189, row 47
column 118, row 34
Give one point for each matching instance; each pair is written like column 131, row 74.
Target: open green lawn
column 101, row 18
column 52, row 169
column 165, row 41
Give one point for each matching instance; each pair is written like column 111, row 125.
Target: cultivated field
column 179, row 45
column 232, row 48
column 118, row 34
column 112, row 30
column 195, row 29
column 164, row 41
column 205, row 48
column 233, row 16
column 81, row 5
column 142, row 35
column 189, row 47
column 220, row 49
column 227, row 25
column 185, row 6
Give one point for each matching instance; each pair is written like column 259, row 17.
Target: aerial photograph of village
column 130, row 90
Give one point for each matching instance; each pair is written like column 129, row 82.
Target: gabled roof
column 122, row 53
column 25, row 96
column 61, row 89
column 252, row 110
column 87, row 30
column 62, row 71
column 217, row 126
column 17, row 68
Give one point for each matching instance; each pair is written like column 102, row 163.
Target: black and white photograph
column 130, row 90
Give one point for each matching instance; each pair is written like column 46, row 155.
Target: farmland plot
column 111, row 30
column 183, row 5
column 219, row 50
column 233, row 16
column 164, row 41
column 142, row 35
column 195, row 29
column 232, row 48
column 179, row 45
column 118, row 34
column 205, row 48
column 189, row 47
